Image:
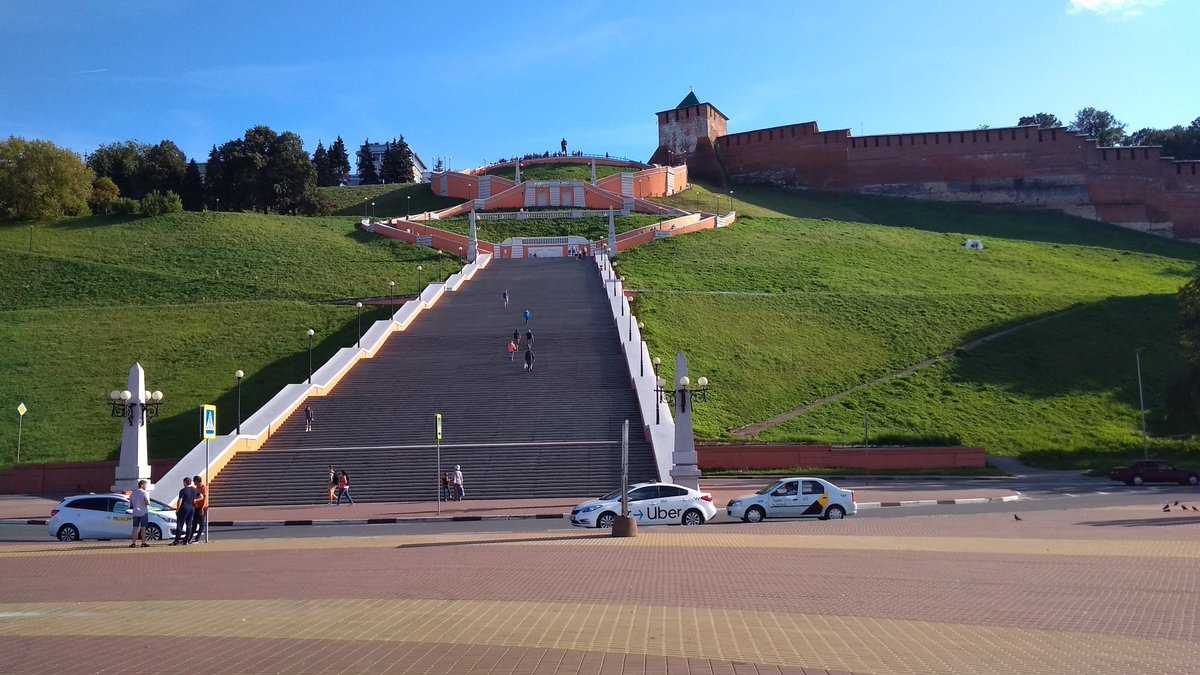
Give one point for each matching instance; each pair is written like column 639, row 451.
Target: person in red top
column 201, row 513
column 344, row 488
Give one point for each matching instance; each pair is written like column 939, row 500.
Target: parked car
column 1153, row 471
column 649, row 504
column 102, row 516
column 795, row 498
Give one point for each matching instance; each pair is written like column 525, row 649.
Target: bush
column 917, row 440
column 39, row 180
column 123, row 206
column 157, row 203
column 104, row 193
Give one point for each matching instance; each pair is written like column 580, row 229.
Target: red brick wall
column 714, row 457
column 61, row 480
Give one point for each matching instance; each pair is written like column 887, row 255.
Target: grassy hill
column 193, row 297
column 592, row 228
column 809, row 295
column 390, row 200
column 559, row 171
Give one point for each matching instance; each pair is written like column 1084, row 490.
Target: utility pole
column 1142, row 403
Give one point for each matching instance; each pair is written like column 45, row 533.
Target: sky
column 474, row 81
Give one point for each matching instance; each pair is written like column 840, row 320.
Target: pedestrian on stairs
column 529, row 360
column 528, row 316
column 512, row 350
column 517, row 336
column 529, row 338
column 504, row 296
column 308, row 418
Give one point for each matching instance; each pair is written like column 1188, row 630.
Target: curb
column 940, row 502
column 381, row 521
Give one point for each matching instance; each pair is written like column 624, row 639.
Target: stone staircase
column 552, row 433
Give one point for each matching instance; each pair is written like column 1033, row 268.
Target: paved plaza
column 1097, row 590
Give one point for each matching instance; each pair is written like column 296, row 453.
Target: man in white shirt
column 458, row 483
column 139, row 508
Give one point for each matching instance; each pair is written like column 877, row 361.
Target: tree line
column 1179, row 141
column 263, row 170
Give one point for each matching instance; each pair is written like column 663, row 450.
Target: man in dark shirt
column 185, row 514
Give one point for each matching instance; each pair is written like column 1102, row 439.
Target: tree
column 1042, row 119
column 1179, row 141
column 122, row 162
column 439, row 165
column 1100, row 125
column 213, row 171
column 263, row 170
column 156, row 203
column 320, row 161
column 366, row 165
column 104, row 193
column 192, row 189
column 339, row 162
column 291, row 176
column 39, row 180
column 397, row 162
column 163, row 168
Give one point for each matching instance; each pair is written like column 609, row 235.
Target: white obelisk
column 134, row 463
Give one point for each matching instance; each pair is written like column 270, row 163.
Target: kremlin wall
column 1134, row 187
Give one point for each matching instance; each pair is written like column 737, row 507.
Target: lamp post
column 683, row 391
column 622, row 305
column 358, row 306
column 407, row 207
column 1137, row 354
column 392, row 293
column 731, row 200
column 311, row 333
column 420, row 278
column 123, row 405
column 656, row 362
column 239, row 375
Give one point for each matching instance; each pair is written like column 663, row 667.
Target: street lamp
column 407, row 207
column 392, row 293
column 239, row 375
column 731, row 200
column 684, row 392
column 358, row 305
column 420, row 278
column 311, row 333
column 123, row 405
column 372, row 209
column 622, row 305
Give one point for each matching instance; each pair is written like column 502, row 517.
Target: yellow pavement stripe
column 680, row 539
column 833, row 642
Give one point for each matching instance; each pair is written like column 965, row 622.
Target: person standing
column 528, row 316
column 446, row 489
column 457, row 480
column 512, row 350
column 201, row 510
column 308, row 418
column 139, row 508
column 529, row 360
column 504, row 296
column 332, row 484
column 185, row 514
column 344, row 488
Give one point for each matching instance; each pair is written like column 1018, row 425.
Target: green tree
column 1100, row 125
column 192, row 189
column 366, row 165
column 291, row 176
column 123, row 162
column 339, row 162
column 1178, row 141
column 164, row 168
column 320, row 160
column 397, row 162
column 39, row 180
column 156, row 203
column 104, row 193
column 1043, row 120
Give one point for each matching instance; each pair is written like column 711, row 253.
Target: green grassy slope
column 785, row 308
column 592, row 228
column 193, row 297
column 559, row 171
column 390, row 200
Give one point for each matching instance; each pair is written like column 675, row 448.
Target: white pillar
column 612, row 234
column 593, row 171
column 685, row 469
column 473, row 240
column 134, row 462
column 518, row 170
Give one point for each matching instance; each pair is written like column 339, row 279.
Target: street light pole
column 311, row 333
column 372, row 209
column 420, row 278
column 392, row 293
column 407, row 207
column 1142, row 403
column 239, row 375
column 358, row 305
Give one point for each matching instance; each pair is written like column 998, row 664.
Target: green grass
column 390, row 200
column 560, row 171
column 193, row 297
column 780, row 311
column 592, row 228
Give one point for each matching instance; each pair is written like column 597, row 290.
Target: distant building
column 420, row 173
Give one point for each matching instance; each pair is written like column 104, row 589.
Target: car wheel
column 693, row 517
column 153, row 532
column 1193, row 480
column 835, row 512
column 606, row 520
column 754, row 514
column 1136, row 480
column 68, row 532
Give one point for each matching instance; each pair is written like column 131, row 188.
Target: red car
column 1153, row 472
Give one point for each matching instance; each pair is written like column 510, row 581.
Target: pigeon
column 1175, row 504
column 1016, row 517
column 1166, row 508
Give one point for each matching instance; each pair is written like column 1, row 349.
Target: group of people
column 191, row 513
column 515, row 344
column 339, row 487
column 452, row 485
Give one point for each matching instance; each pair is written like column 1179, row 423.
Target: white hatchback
column 649, row 504
column 795, row 498
column 105, row 517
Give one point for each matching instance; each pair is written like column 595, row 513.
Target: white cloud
column 1117, row 9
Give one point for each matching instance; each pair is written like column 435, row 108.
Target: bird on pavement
column 1166, row 508
column 1176, row 503
column 1016, row 517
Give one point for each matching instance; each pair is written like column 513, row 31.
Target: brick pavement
column 1060, row 596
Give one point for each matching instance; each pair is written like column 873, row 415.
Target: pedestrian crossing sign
column 208, row 421
column 438, row 416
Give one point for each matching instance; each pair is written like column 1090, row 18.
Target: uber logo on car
column 658, row 513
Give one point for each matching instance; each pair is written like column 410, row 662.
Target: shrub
column 157, row 203
column 104, row 193
column 123, row 206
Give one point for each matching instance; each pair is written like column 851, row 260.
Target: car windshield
column 615, row 494
column 156, row 505
column 767, row 489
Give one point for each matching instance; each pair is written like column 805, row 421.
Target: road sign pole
column 20, row 423
column 208, row 430
column 206, row 487
column 438, row 443
column 625, row 470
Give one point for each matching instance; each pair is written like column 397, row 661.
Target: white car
column 649, row 504
column 105, row 517
column 794, row 498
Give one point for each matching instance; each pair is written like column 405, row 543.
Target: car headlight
column 589, row 509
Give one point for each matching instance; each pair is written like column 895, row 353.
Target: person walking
column 457, row 481
column 185, row 514
column 201, row 510
column 139, row 508
column 529, row 360
column 529, row 338
column 446, row 489
column 517, row 337
column 344, row 488
column 528, row 316
column 308, row 418
column 504, row 296
column 512, row 350
column 332, row 484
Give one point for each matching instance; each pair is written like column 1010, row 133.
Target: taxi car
column 795, row 497
column 105, row 516
column 649, row 504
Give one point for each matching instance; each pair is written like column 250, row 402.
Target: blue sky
column 509, row 78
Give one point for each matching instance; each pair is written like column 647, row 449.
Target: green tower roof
column 689, row 100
